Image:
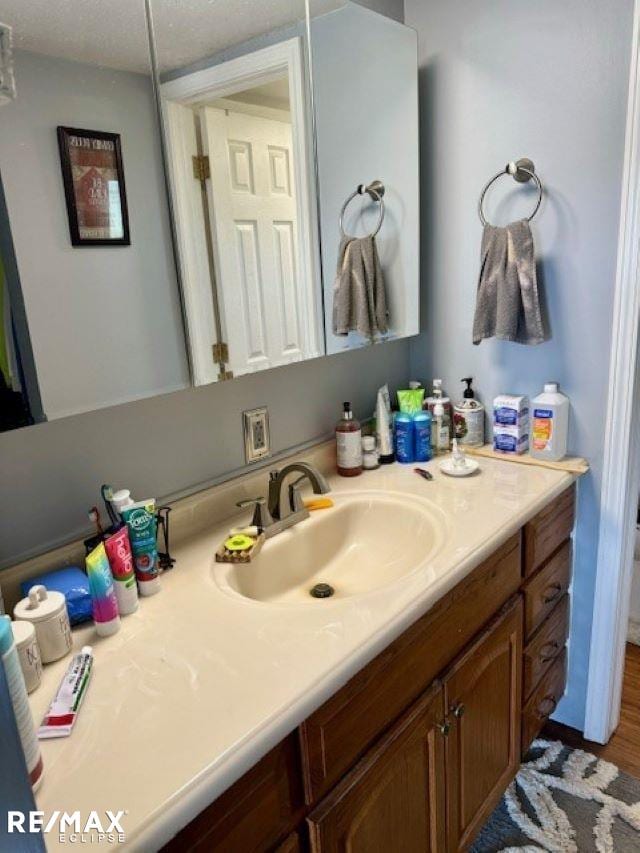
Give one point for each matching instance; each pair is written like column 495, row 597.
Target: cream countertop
column 200, row 683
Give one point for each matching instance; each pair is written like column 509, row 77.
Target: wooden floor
column 624, row 747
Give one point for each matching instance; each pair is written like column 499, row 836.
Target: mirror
column 90, row 309
column 239, row 145
column 365, row 81
column 270, row 272
column 188, row 192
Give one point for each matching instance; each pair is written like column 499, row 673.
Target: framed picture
column 94, row 187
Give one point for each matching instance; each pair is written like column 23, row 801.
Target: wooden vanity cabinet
column 434, row 778
column 417, row 749
column 483, row 697
column 394, row 799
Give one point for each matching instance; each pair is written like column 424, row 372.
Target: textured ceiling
column 112, row 32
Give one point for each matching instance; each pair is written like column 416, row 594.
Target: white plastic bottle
column 549, row 424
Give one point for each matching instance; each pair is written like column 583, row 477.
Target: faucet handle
column 261, row 515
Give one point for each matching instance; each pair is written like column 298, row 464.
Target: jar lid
column 23, row 632
column 40, row 604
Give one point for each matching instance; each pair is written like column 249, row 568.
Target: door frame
column 217, row 82
column 621, row 468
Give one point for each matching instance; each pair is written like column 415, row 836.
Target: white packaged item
column 550, row 424
column 510, row 409
column 26, row 641
column 47, row 610
column 20, row 702
column 63, row 710
column 511, row 439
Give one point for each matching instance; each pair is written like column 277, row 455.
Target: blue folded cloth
column 73, row 583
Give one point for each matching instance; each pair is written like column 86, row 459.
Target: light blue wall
column 498, row 80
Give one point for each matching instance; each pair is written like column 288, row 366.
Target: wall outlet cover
column 257, row 444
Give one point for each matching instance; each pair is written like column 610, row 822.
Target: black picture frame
column 96, row 145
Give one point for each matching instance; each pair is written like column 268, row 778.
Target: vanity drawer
column 543, row 591
column 547, row 530
column 545, row 646
column 338, row 733
column 544, row 700
column 254, row 814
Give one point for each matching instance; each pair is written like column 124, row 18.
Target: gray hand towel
column 359, row 298
column 507, row 302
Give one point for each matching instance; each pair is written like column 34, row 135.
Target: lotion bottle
column 348, row 444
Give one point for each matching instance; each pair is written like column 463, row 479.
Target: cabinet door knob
column 549, row 651
column 458, row 710
column 552, row 592
column 547, row 706
column 445, row 727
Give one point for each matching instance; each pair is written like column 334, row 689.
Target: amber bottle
column 349, row 444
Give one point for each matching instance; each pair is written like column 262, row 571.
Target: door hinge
column 220, row 353
column 201, row 170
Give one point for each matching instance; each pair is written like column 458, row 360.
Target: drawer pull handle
column 544, row 710
column 556, row 590
column 444, row 727
column 458, row 710
column 549, row 651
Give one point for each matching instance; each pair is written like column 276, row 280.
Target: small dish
column 447, row 466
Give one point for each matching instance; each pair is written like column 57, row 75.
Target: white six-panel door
column 255, row 236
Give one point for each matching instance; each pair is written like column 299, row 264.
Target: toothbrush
column 94, row 515
column 107, row 494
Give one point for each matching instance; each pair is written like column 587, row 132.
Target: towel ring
column 376, row 191
column 522, row 171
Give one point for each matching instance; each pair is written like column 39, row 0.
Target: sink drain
column 321, row 590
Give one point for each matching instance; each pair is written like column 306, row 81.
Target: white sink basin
column 366, row 541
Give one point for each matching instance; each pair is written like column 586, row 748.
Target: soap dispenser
column 468, row 418
column 348, row 444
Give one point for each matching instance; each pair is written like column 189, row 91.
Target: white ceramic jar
column 47, row 611
column 26, row 641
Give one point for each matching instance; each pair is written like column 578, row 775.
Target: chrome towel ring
column 376, row 190
column 522, row 171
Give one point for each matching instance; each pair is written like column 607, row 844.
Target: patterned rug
column 565, row 801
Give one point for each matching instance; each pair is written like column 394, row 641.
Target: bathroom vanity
column 398, row 709
column 416, row 750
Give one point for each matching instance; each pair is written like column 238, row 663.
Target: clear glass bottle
column 348, row 444
column 440, row 430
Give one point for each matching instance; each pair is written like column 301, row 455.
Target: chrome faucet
column 281, row 512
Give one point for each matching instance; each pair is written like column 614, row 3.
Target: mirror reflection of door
column 253, row 215
column 255, row 220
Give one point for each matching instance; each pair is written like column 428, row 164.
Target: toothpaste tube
column 61, row 716
column 104, row 604
column 118, row 550
column 142, row 524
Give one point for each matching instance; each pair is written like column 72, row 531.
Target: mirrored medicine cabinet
column 178, row 183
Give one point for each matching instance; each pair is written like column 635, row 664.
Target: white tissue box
column 510, row 410
column 512, row 439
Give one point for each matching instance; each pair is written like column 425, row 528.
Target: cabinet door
column 483, row 697
column 394, row 798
